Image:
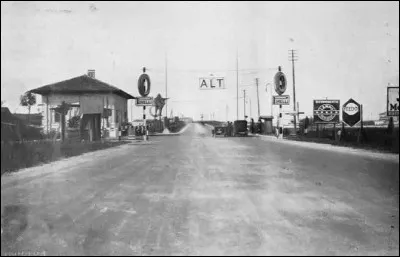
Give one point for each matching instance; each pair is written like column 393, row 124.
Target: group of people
column 141, row 130
column 229, row 129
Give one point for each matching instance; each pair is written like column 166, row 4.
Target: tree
column 28, row 99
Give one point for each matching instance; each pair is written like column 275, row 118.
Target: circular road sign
column 144, row 85
column 280, row 83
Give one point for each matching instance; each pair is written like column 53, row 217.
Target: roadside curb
column 328, row 147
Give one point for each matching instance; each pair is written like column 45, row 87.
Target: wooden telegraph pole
column 166, row 86
column 258, row 99
column 237, row 85
column 293, row 58
column 244, row 103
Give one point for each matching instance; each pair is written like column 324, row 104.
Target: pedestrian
column 339, row 133
column 306, row 124
column 252, row 126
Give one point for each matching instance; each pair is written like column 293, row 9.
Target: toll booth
column 266, row 125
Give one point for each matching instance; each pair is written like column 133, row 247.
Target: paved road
column 197, row 195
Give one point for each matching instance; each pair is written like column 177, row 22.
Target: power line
column 244, row 103
column 258, row 99
column 156, row 70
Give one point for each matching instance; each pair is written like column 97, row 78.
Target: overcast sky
column 345, row 50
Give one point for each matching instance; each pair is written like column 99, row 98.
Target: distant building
column 99, row 107
column 187, row 119
column 384, row 119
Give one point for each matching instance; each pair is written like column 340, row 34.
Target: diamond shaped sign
column 351, row 112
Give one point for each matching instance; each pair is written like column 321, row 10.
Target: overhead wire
column 157, row 70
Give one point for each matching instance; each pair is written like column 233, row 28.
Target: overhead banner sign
column 212, row 83
column 145, row 101
column 393, row 101
column 351, row 113
column 326, row 111
column 281, row 100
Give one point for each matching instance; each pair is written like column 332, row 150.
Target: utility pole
column 293, row 58
column 251, row 115
column 258, row 99
column 166, row 86
column 237, row 84
column 244, row 103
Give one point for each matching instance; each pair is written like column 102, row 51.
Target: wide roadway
column 197, row 195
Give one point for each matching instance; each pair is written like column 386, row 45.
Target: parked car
column 220, row 131
column 240, row 128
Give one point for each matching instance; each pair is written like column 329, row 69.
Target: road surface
column 197, row 195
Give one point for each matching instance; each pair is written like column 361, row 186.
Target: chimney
column 91, row 73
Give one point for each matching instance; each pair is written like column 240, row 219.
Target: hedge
column 18, row 155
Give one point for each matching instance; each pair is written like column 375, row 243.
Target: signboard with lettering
column 393, row 101
column 351, row 113
column 145, row 101
column 212, row 83
column 281, row 100
column 326, row 111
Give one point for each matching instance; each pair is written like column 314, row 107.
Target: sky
column 345, row 50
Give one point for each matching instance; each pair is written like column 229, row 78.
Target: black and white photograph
column 199, row 128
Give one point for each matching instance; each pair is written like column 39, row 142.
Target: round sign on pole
column 280, row 83
column 351, row 113
column 144, row 85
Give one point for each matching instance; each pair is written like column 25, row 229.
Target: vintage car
column 220, row 131
column 240, row 128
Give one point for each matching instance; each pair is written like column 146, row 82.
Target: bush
column 372, row 137
column 18, row 155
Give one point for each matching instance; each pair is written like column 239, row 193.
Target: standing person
column 306, row 124
column 252, row 126
column 339, row 133
column 277, row 128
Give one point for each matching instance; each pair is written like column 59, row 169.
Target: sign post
column 392, row 101
column 280, row 88
column 351, row 112
column 361, row 127
column 281, row 100
column 144, row 90
column 326, row 111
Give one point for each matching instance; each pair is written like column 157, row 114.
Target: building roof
column 80, row 85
